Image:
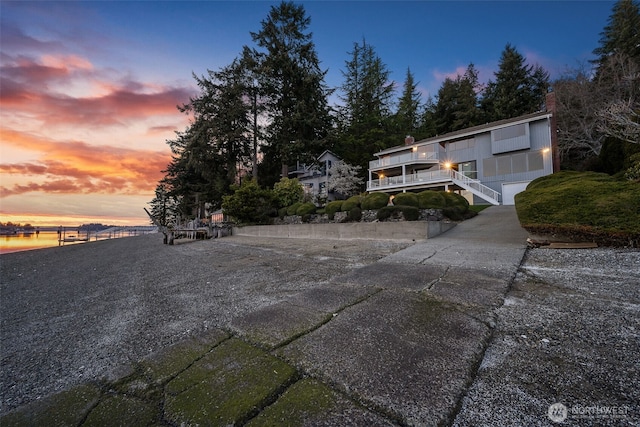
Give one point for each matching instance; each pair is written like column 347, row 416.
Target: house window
column 536, row 162
column 504, row 165
column 468, row 169
column 489, row 166
column 461, row 145
column 519, row 163
column 509, row 132
column 510, row 138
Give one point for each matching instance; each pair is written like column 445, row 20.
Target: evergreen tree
column 427, row 127
column 367, row 103
column 408, row 113
column 621, row 35
column 457, row 106
column 207, row 154
column 518, row 89
column 292, row 83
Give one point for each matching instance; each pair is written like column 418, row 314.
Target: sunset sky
column 88, row 90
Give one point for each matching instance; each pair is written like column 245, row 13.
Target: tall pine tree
column 457, row 105
column 207, row 154
column 408, row 113
column 367, row 104
column 293, row 88
column 518, row 89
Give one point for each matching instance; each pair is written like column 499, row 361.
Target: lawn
column 584, row 206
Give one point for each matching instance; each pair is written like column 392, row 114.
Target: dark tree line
column 269, row 108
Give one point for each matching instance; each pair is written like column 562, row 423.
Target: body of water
column 25, row 241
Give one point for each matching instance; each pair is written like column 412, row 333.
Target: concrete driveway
column 468, row 328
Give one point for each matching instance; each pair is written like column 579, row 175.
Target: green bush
column 354, row 215
column 456, row 200
column 293, row 209
column 332, row 208
column 288, row 191
column 410, row 213
column 588, row 201
column 406, row 199
column 306, row 209
column 250, row 204
column 350, row 203
column 373, row 201
column 282, row 212
column 430, row 199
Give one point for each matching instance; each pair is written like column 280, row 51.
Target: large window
column 461, row 145
column 510, row 138
column 511, row 164
column 468, row 169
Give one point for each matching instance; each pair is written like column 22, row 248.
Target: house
column 490, row 163
column 315, row 177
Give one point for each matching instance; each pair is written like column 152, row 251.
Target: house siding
column 511, row 151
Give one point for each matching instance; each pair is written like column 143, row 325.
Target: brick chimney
column 409, row 140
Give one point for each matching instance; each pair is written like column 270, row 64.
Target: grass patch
column 584, row 206
column 478, row 208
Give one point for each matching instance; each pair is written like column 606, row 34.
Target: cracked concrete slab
column 392, row 275
column 404, row 353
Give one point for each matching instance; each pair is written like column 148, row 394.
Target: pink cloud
column 77, row 167
column 28, row 88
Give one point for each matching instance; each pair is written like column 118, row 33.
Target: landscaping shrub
column 350, row 203
column 249, row 203
column 306, row 209
column 355, row 214
column 585, row 205
column 282, row 212
column 373, row 201
column 291, row 210
column 406, row 199
column 456, row 200
column 332, row 208
column 410, row 213
column 288, row 191
column 430, row 199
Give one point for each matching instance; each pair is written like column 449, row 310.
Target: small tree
column 288, row 191
column 344, row 179
column 249, row 204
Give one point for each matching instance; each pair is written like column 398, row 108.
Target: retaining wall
column 403, row 230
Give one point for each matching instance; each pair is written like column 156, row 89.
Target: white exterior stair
column 474, row 186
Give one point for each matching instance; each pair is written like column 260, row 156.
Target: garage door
column 510, row 189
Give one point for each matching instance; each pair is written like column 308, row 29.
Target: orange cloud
column 77, row 167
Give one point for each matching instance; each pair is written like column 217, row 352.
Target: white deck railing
column 474, row 184
column 433, row 155
column 434, row 177
column 423, row 177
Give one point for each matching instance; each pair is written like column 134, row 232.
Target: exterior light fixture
column 447, row 165
column 546, row 150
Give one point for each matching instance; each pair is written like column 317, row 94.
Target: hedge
column 306, row 209
column 350, row 203
column 406, row 199
column 332, row 208
column 430, row 199
column 291, row 210
column 373, row 201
